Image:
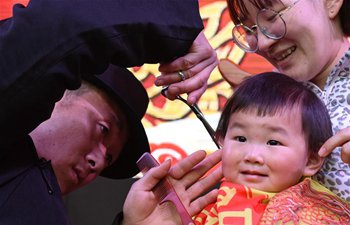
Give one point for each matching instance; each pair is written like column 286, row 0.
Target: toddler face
column 267, row 153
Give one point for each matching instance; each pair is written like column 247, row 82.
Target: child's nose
column 254, row 155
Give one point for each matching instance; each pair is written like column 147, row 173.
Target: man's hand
column 196, row 67
column 141, row 206
column 189, row 183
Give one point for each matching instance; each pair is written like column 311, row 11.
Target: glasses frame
column 253, row 29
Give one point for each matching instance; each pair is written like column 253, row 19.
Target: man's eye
column 104, row 129
column 240, row 139
column 273, row 142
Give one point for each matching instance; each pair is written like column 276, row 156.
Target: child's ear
column 220, row 140
column 313, row 165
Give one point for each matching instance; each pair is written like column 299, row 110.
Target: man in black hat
column 94, row 130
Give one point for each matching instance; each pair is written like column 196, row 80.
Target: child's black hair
column 271, row 93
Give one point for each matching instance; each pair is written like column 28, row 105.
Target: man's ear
column 313, row 165
column 333, row 7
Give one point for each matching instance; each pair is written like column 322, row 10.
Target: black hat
column 129, row 93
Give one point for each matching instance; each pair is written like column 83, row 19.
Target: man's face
column 82, row 138
column 267, row 153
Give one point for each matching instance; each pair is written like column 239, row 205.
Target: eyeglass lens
column 245, row 38
column 269, row 23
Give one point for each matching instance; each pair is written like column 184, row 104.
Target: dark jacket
column 47, row 48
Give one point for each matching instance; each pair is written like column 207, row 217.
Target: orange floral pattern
column 305, row 203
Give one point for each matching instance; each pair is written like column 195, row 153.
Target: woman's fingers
column 340, row 139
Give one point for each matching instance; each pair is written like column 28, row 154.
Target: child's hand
column 342, row 139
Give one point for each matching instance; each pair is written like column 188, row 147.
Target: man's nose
column 96, row 159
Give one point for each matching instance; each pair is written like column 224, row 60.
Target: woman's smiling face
column 311, row 44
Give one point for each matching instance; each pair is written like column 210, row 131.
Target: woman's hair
column 273, row 93
column 238, row 11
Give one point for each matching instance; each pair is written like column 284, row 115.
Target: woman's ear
column 232, row 73
column 333, row 7
column 313, row 165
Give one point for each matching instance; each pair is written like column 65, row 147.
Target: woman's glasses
column 269, row 22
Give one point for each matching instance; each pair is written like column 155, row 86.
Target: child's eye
column 273, row 142
column 240, row 139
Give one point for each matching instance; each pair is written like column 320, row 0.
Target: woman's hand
column 340, row 139
column 195, row 66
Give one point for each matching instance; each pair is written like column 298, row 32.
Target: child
column 271, row 130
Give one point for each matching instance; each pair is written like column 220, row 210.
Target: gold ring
column 182, row 75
